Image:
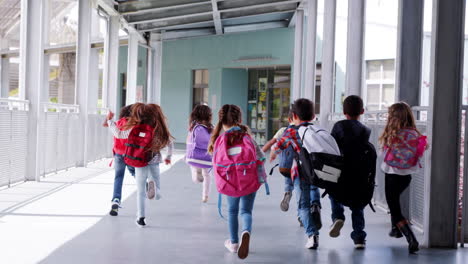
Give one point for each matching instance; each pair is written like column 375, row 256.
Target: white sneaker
column 243, row 250
column 230, row 246
column 336, row 228
column 151, row 192
column 312, row 242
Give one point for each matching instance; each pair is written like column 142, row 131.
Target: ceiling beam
column 108, row 7
column 255, row 27
column 165, row 8
column 171, row 18
column 187, row 33
column 292, row 22
column 217, row 18
column 203, row 24
column 255, row 6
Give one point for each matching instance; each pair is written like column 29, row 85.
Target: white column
column 33, row 25
column 82, row 76
column 328, row 62
column 448, row 41
column 132, row 68
column 355, row 46
column 111, row 96
column 4, row 76
column 93, row 89
column 309, row 87
column 297, row 70
column 156, row 71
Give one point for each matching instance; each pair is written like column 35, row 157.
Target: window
column 62, row 68
column 200, row 87
column 380, row 84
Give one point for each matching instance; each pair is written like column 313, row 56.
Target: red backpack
column 136, row 148
column 406, row 149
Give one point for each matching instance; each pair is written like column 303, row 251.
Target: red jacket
column 119, row 143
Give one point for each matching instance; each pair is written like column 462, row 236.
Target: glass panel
column 373, row 94
column 388, row 95
column 63, row 22
column 373, row 70
column 206, row 77
column 62, row 77
column 198, row 77
column 389, row 69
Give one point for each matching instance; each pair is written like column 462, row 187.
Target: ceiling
column 175, row 19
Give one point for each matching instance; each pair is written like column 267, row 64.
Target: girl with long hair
column 197, row 155
column 403, row 146
column 238, row 179
column 147, row 177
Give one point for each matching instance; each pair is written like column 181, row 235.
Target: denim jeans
column 120, row 166
column 288, row 184
column 306, row 195
column 246, row 206
column 150, row 172
column 357, row 217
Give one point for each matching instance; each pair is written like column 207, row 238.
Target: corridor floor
column 64, row 219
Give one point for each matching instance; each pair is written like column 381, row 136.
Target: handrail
column 56, row 107
column 12, row 104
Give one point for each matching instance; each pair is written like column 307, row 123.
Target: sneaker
column 316, row 217
column 141, row 222
column 243, row 250
column 312, row 242
column 300, row 222
column 205, row 199
column 115, row 207
column 230, row 246
column 360, row 244
column 284, row 205
column 395, row 232
column 151, row 192
column 336, row 228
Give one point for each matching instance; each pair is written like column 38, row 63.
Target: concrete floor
column 64, row 220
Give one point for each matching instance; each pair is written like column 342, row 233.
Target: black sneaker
column 141, row 222
column 115, row 207
column 395, row 232
column 284, row 205
column 316, row 216
column 360, row 244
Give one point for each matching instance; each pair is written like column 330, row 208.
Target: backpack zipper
column 244, row 172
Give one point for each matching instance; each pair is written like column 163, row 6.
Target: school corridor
column 64, row 219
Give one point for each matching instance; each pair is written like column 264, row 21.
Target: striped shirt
column 157, row 157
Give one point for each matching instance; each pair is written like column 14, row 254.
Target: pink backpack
column 236, row 167
column 406, row 149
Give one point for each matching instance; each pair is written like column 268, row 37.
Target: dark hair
column 304, row 109
column 125, row 111
column 353, row 106
column 201, row 114
column 229, row 115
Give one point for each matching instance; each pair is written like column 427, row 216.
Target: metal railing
column 99, row 139
column 13, row 140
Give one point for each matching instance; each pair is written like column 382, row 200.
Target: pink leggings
column 206, row 178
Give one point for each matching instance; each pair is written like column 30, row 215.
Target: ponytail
column 214, row 136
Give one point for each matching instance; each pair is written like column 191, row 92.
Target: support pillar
column 444, row 122
column 82, row 89
column 4, row 77
column 110, row 94
column 132, row 68
column 155, row 70
column 93, row 95
column 409, row 51
column 355, row 47
column 31, row 73
column 309, row 87
column 328, row 62
column 297, row 71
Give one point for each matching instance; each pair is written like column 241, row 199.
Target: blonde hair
column 400, row 117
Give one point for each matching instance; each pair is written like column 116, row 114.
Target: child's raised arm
column 268, row 145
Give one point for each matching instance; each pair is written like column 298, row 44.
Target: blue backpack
column 286, row 158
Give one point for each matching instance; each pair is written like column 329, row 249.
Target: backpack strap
column 272, row 169
column 220, row 204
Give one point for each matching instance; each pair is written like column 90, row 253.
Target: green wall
column 217, row 54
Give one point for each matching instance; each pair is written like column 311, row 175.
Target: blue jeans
column 357, row 217
column 288, row 184
column 149, row 172
column 246, row 206
column 306, row 195
column 119, row 166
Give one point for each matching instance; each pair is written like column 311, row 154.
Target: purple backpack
column 197, row 147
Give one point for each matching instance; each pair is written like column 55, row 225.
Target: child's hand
column 110, row 115
column 273, row 155
column 167, row 161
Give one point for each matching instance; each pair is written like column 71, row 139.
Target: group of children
column 229, row 153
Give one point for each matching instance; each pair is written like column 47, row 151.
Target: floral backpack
column 406, row 149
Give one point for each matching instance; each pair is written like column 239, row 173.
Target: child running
column 403, row 146
column 146, row 120
column 307, row 195
column 351, row 137
column 119, row 164
column 238, row 169
column 197, row 155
